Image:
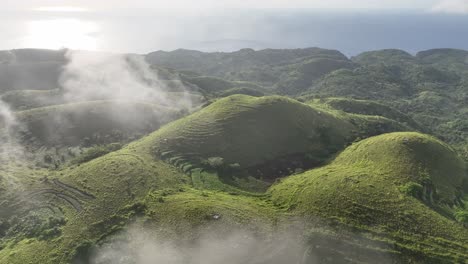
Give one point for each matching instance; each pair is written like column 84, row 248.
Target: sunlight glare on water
column 59, row 33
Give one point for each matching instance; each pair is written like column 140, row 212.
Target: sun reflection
column 61, row 33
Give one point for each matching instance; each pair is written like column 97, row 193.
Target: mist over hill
column 252, row 156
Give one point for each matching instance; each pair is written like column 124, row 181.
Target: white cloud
column 451, row 6
column 203, row 4
column 61, row 9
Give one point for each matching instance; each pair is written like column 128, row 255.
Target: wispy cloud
column 62, row 9
column 451, row 6
column 203, row 4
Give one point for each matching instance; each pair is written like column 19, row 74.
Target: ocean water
column 142, row 31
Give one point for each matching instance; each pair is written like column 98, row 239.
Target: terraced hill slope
column 67, row 209
column 264, row 137
column 249, row 131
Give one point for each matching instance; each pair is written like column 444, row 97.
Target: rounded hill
column 397, row 184
column 94, row 121
column 250, row 131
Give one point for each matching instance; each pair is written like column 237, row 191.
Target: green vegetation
column 369, row 108
column 430, row 88
column 96, row 152
column 250, row 131
column 97, row 198
column 244, row 91
column 372, row 185
column 306, row 142
column 28, row 99
column 391, row 56
column 303, row 75
column 94, row 122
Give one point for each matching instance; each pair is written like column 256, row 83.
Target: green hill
column 95, row 121
column 335, row 174
column 244, row 91
column 303, row 75
column 366, row 82
column 390, row 56
column 85, row 204
column 250, row 131
column 28, row 99
column 211, row 86
column 264, row 67
column 370, row 108
column 53, row 135
column 389, row 186
column 219, row 63
column 240, row 137
column 89, row 201
column 445, row 57
column 102, row 196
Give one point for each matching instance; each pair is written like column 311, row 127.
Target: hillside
column 77, row 189
column 70, row 124
column 430, row 87
column 417, row 185
column 272, row 156
column 274, row 68
column 264, row 137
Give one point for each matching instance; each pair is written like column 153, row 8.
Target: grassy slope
column 69, row 124
column 301, row 76
column 249, row 131
column 133, row 182
column 365, row 82
column 429, row 87
column 265, row 138
column 366, row 187
column 15, row 179
column 130, row 183
column 369, row 108
column 116, row 182
column 211, row 86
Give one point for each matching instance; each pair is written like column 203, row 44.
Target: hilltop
column 422, row 178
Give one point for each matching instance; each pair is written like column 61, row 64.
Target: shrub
column 412, row 188
column 36, row 225
column 462, row 217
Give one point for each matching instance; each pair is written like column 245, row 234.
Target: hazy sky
column 147, row 25
column 447, row 5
